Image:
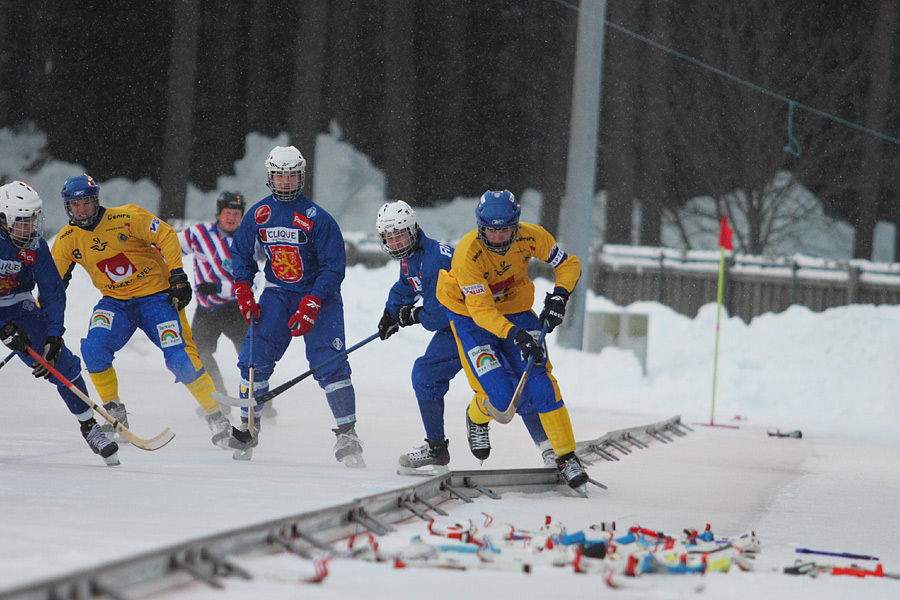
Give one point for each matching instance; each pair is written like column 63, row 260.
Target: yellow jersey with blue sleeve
column 128, row 252
column 486, row 286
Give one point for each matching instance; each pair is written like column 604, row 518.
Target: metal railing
column 207, row 559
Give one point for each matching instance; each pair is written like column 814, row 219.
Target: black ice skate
column 479, row 438
column 431, row 458
column 99, row 443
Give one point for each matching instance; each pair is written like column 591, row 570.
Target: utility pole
column 576, row 220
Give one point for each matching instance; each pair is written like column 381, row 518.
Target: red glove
column 246, row 302
column 303, row 320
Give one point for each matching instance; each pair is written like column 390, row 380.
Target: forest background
column 449, row 98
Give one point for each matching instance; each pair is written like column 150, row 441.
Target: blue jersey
column 20, row 270
column 418, row 279
column 303, row 247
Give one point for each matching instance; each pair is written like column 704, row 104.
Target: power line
column 792, row 104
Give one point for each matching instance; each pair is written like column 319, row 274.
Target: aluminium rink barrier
column 206, row 559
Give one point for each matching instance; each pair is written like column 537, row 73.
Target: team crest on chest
column 286, row 263
column 7, row 283
column 118, row 268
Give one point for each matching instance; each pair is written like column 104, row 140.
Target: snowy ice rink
column 834, row 375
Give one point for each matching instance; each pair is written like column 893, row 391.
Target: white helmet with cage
column 397, row 228
column 286, row 169
column 21, row 213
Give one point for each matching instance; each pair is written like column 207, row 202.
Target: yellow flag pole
column 719, row 294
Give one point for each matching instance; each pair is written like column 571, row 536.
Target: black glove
column 409, row 315
column 554, row 308
column 179, row 289
column 387, row 326
column 15, row 338
column 527, row 346
column 52, row 347
column 208, row 288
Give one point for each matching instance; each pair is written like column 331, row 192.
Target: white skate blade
column 112, row 460
column 581, row 490
column 426, row 471
column 243, row 454
column 354, row 461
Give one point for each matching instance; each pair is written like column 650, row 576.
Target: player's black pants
column 208, row 325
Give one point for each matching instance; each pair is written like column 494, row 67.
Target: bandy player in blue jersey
column 26, row 262
column 305, row 262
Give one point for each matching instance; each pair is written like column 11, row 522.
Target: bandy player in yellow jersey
column 489, row 297
column 134, row 259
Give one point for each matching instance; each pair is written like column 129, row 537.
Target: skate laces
column 96, row 438
column 479, row 436
column 570, row 467
column 348, row 439
column 421, row 452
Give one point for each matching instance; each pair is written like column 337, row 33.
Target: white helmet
column 286, row 159
column 398, row 229
column 20, row 203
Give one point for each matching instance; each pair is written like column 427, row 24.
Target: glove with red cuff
column 246, row 303
column 303, row 320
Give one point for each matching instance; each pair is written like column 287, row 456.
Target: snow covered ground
column 833, row 375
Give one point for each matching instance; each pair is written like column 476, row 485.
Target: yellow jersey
column 128, row 253
column 486, row 286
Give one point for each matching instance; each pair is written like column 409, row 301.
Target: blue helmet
column 498, row 220
column 78, row 188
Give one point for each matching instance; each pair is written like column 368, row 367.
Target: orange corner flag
column 725, row 235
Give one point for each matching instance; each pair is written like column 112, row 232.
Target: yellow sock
column 477, row 412
column 559, row 430
column 107, row 385
column 201, row 388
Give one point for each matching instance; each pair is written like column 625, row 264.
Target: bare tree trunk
column 305, row 120
column 400, row 89
column 179, row 120
column 445, row 105
column 256, row 72
column 620, row 100
column 880, row 52
column 654, row 134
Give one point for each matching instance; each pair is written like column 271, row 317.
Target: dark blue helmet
column 498, row 220
column 230, row 200
column 82, row 187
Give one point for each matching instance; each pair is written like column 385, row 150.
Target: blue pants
column 34, row 323
column 271, row 337
column 497, row 365
column 431, row 376
column 113, row 322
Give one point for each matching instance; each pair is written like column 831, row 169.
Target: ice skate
column 117, row 411
column 244, row 450
column 431, row 458
column 99, row 443
column 572, row 471
column 547, row 454
column 348, row 447
column 479, row 439
column 220, row 427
